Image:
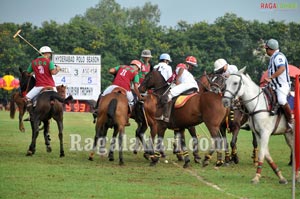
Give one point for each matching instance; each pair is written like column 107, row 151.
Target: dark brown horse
column 198, row 109
column 17, row 98
column 48, row 105
column 112, row 113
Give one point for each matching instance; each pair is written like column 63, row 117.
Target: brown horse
column 145, row 119
column 48, row 105
column 17, row 98
column 198, row 109
column 235, row 118
column 112, row 113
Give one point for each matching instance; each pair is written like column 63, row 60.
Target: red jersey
column 41, row 68
column 125, row 75
column 144, row 70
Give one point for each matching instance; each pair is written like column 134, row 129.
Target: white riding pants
column 282, row 94
column 180, row 88
column 35, row 91
column 110, row 88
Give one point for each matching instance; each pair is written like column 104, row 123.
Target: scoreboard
column 80, row 73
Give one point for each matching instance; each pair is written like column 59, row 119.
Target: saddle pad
column 182, row 99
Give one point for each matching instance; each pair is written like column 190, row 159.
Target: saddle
column 271, row 97
column 182, row 99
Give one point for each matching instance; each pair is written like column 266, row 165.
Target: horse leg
column 192, row 131
column 185, row 152
column 60, row 135
column 112, row 145
column 234, row 156
column 22, row 110
column 47, row 136
column 275, row 168
column 121, row 134
column 289, row 140
column 159, row 146
column 35, row 133
column 219, row 145
column 96, row 138
column 255, row 149
column 177, row 144
column 139, row 135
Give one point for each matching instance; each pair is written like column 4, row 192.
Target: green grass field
column 45, row 175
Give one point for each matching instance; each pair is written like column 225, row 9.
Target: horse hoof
column 29, row 153
column 135, row 152
column 91, row 159
column 62, row 155
column 283, row 181
column 146, row 156
column 121, row 163
column 254, row 181
column 111, row 159
column 219, row 163
column 186, row 164
column 197, row 160
column 49, row 149
column 152, row 164
column 179, row 157
column 205, row 163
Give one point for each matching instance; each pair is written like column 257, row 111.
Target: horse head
column 211, row 82
column 153, row 80
column 27, row 81
column 234, row 87
column 61, row 90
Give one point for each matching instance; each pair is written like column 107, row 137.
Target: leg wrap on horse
column 274, row 167
column 259, row 167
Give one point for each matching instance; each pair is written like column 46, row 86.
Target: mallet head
column 17, row 33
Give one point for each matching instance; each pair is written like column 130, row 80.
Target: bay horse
column 234, row 119
column 17, row 98
column 112, row 113
column 261, row 122
column 198, row 109
column 49, row 104
column 145, row 119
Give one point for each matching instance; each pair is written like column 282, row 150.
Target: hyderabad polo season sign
column 80, row 73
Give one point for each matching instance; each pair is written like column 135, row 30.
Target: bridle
column 244, row 102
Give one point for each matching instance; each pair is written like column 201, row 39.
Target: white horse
column 261, row 122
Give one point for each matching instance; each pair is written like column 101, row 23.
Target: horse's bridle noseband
column 233, row 95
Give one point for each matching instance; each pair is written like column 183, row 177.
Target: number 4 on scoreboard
column 63, row 79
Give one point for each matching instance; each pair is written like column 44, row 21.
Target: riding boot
column 167, row 111
column 29, row 107
column 288, row 114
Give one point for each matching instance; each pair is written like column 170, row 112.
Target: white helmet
column 220, row 63
column 45, row 49
column 165, row 56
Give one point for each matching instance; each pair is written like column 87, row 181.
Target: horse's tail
column 56, row 96
column 12, row 109
column 112, row 110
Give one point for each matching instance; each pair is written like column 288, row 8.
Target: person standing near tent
column 279, row 79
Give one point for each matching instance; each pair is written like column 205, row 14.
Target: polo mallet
column 18, row 34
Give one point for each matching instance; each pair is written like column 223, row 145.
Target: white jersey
column 164, row 69
column 279, row 60
column 186, row 77
column 230, row 70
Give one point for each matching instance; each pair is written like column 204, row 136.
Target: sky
column 172, row 11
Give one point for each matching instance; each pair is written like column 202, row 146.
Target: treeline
column 120, row 34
